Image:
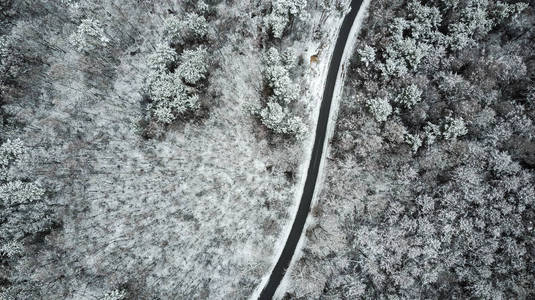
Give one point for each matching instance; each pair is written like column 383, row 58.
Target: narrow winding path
column 321, row 129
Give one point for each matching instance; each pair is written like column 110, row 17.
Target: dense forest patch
column 431, row 184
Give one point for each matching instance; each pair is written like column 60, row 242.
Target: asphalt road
column 321, row 129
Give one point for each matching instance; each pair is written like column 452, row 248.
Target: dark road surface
column 312, row 175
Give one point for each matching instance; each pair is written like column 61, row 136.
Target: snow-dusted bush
column 380, row 108
column 89, row 36
column 282, row 11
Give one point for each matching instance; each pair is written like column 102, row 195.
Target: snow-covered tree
column 366, row 55
column 196, row 25
column 114, row 295
column 334, row 5
column 284, row 90
column 409, row 96
column 173, row 28
column 178, row 29
column 278, row 79
column 171, row 83
column 163, row 57
column 380, row 108
column 12, row 249
column 170, row 96
column 530, row 97
column 431, row 133
column 453, row 128
column 193, row 66
column 414, row 141
column 504, row 10
column 278, row 119
column 10, row 151
column 282, row 11
column 23, row 209
column 273, row 116
column 277, row 115
column 476, row 18
column 89, row 36
column 8, row 66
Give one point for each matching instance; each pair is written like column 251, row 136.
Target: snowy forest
column 158, row 149
column 430, row 183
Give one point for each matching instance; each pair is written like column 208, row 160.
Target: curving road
column 321, row 129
